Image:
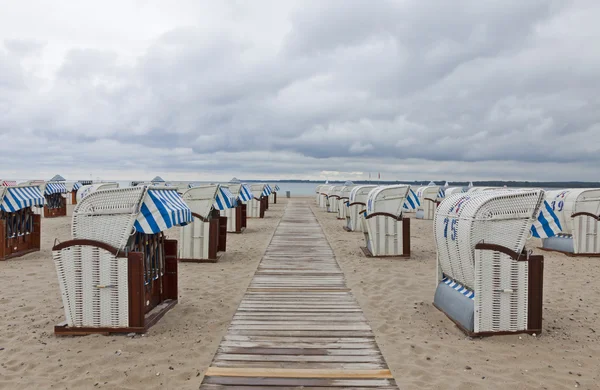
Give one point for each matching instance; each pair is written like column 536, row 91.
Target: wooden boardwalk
column 298, row 325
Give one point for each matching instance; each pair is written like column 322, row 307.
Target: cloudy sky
column 207, row 90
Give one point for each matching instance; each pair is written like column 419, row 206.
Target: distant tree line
column 485, row 183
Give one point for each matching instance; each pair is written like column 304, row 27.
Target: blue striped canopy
column 267, row 190
column 224, row 199
column 276, row 188
column 441, row 193
column 547, row 223
column 55, row 188
column 245, row 194
column 412, row 201
column 17, row 198
column 76, row 186
column 161, row 210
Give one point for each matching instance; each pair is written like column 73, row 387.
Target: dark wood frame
column 535, row 290
column 274, row 197
column 405, row 237
column 20, row 245
column 139, row 321
column 73, row 197
column 353, row 204
column 241, row 218
column 217, row 237
column 57, row 211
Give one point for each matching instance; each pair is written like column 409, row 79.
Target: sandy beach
column 421, row 346
column 425, row 350
column 173, row 354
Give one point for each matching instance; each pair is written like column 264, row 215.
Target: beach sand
column 173, row 354
column 422, row 347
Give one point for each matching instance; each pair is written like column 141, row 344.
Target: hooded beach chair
column 118, row 274
column 333, row 199
column 343, row 202
column 486, row 282
column 387, row 231
column 578, row 211
column 357, row 204
column 20, row 227
column 429, row 198
column 258, row 205
column 205, row 239
column 237, row 216
column 87, row 189
column 274, row 190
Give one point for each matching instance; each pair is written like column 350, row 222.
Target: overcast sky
column 207, row 90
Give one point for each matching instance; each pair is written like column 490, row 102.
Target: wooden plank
column 298, row 325
column 298, row 373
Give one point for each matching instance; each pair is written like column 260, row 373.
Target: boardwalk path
column 298, row 324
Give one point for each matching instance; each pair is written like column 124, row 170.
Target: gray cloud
column 447, row 90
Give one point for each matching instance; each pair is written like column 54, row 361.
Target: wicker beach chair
column 357, row 204
column 85, row 190
column 486, row 282
column 343, row 202
column 387, row 232
column 429, row 198
column 258, row 206
column 20, row 227
column 118, row 274
column 274, row 190
column 333, row 199
column 578, row 211
column 237, row 217
column 324, row 196
column 205, row 239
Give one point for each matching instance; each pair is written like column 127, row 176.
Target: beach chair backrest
column 502, row 217
column 387, row 199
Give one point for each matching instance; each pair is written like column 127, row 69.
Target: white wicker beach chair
column 259, row 202
column 333, row 199
column 486, row 283
column 237, row 217
column 119, row 273
column 343, row 202
column 357, row 204
column 274, row 190
column 90, row 188
column 205, row 239
column 578, row 211
column 428, row 197
column 387, row 232
column 324, row 196
column 20, row 227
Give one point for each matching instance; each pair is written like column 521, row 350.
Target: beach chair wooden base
column 55, row 212
column 368, row 253
column 488, row 334
column 215, row 260
column 151, row 318
column 20, row 245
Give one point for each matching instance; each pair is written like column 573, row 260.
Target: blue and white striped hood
column 55, row 188
column 76, row 186
column 547, row 223
column 267, row 190
column 161, row 210
column 245, row 194
column 17, row 198
column 224, row 199
column 412, row 201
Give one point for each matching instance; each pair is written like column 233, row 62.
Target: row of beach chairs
column 487, row 282
column 118, row 273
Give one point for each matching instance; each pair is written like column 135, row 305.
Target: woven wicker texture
column 383, row 234
column 502, row 217
column 333, row 198
column 94, row 287
column 194, row 239
column 428, row 197
column 108, row 215
column 358, row 194
column 201, row 199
